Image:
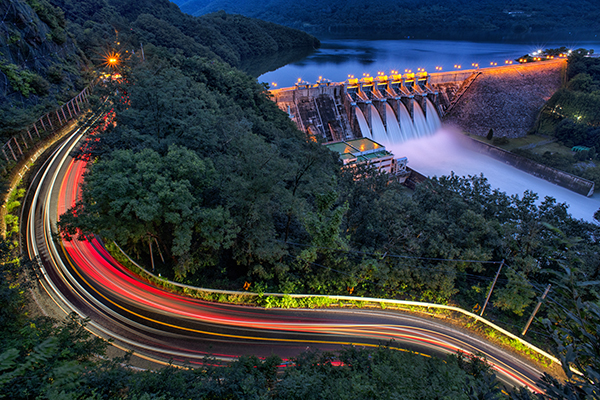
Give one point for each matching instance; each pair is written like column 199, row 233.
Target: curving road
column 81, row 276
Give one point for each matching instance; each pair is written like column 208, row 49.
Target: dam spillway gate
column 388, row 109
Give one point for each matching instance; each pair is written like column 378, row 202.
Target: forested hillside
column 202, row 163
column 159, row 22
column 40, row 64
column 420, row 19
column 573, row 113
column 50, row 48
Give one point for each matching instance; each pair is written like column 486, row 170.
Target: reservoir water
column 443, row 152
column 336, row 59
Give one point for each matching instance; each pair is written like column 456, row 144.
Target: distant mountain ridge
column 418, row 18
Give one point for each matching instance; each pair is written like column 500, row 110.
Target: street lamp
column 112, row 60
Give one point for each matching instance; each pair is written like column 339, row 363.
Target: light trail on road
column 82, row 276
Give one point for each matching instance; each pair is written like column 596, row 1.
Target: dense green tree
column 574, row 324
column 572, row 116
column 12, row 303
column 583, row 82
column 382, row 373
column 267, row 171
column 136, row 198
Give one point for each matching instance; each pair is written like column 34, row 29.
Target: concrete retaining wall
column 560, row 178
column 414, row 178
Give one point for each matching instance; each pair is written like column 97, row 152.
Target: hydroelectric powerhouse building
column 365, row 151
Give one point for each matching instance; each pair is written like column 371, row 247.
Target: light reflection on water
column 336, row 59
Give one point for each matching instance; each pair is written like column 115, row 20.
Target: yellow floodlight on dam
column 409, row 76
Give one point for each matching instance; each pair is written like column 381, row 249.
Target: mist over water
column 447, row 151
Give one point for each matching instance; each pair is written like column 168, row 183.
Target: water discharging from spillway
column 446, row 152
column 377, row 128
column 421, row 128
column 362, row 123
column 406, row 124
column 432, row 118
column 398, row 128
column 393, row 128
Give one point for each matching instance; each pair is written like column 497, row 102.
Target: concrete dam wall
column 383, row 108
column 507, row 100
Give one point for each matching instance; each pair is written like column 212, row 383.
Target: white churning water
column 446, row 152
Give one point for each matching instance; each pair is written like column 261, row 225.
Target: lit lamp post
column 112, row 60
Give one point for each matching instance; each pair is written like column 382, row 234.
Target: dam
column 388, row 109
column 396, row 108
column 360, row 118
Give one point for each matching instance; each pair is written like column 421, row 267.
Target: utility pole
column 151, row 256
column 491, row 289
column 536, row 310
column 159, row 252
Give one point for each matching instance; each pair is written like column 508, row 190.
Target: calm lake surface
column 336, row 59
column 441, row 154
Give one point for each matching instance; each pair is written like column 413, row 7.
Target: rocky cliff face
column 39, row 62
